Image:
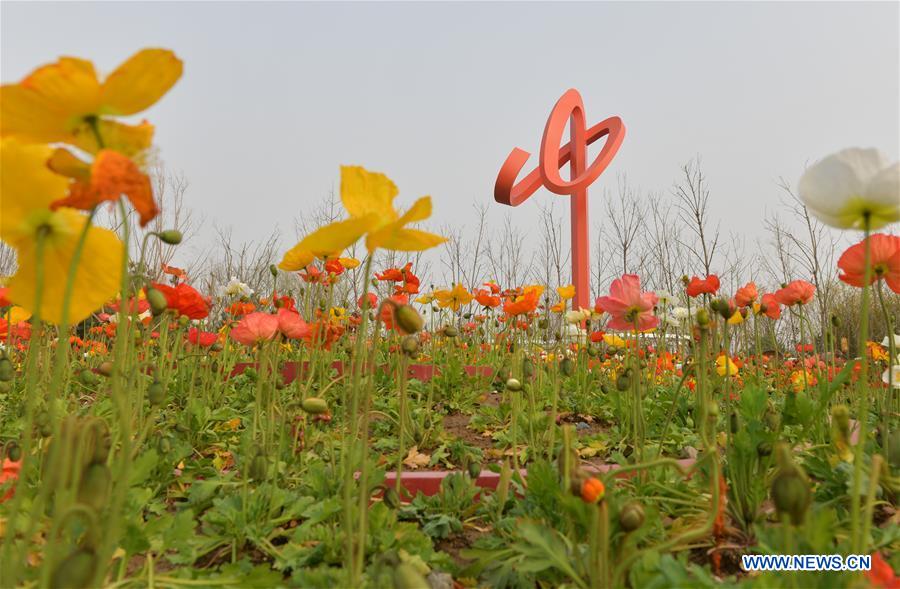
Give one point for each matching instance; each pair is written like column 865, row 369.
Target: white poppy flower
column 681, row 313
column 237, row 288
column 842, row 188
column 576, row 317
column 665, row 297
column 886, row 377
column 886, row 343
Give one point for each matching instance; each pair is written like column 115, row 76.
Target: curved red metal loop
column 569, row 109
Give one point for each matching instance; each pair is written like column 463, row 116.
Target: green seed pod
column 156, row 393
column 408, row 319
column 467, row 316
column 391, row 498
column 93, row 490
column 513, row 385
column 733, row 422
column 76, row 571
column 410, row 345
column 157, row 300
column 273, row 270
column 5, row 386
column 7, row 372
column 623, row 383
column 314, row 405
column 170, row 236
column 450, row 331
column 184, row 320
column 567, row 366
column 474, row 470
column 542, row 323
column 763, row 449
column 164, row 446
column 632, row 516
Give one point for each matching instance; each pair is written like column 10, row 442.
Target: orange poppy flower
column 884, row 258
column 184, row 300
column 698, row 286
column 486, row 298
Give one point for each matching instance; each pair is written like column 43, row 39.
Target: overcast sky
column 276, row 96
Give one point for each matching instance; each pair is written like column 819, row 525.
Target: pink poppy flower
column 291, row 324
column 628, row 307
column 255, row 328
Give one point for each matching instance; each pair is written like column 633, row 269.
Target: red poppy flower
column 746, row 295
column 4, row 301
column 881, row 575
column 136, row 306
column 9, row 474
column 240, row 308
column 486, row 298
column 884, row 259
column 698, row 286
column 769, row 306
column 173, row 271
column 334, row 267
column 370, row 300
column 184, row 300
column 798, row 292
column 387, row 313
column 204, row 339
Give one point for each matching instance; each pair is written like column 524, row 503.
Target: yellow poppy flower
column 425, row 299
column 566, row 292
column 16, row 315
column 736, row 319
column 27, row 188
column 455, row 298
column 725, row 366
column 349, row 263
column 66, row 102
column 613, row 340
column 368, row 197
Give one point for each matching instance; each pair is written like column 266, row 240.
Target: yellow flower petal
column 420, row 211
column 403, row 240
column 48, row 104
column 364, row 193
column 139, row 82
column 325, row 241
column 129, row 140
column 26, row 185
column 97, row 278
column 349, row 263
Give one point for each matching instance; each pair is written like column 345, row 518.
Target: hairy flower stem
column 886, row 407
column 862, row 412
column 351, row 419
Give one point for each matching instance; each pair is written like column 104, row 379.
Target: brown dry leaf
column 416, row 459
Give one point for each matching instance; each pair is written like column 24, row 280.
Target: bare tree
column 692, row 200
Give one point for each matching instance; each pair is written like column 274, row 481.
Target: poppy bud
column 410, row 345
column 475, row 469
column 567, row 366
column 258, row 468
column 763, row 449
column 622, row 383
column 273, row 270
column 527, row 368
column 184, row 320
column 733, row 422
column 513, row 385
column 835, row 321
column 632, row 516
column 170, row 236
column 105, row 368
column 6, row 370
column 407, row 576
column 721, row 307
column 408, row 319
column 93, row 490
column 156, row 393
column 592, row 490
column 450, row 331
column 14, row 451
column 702, row 317
column 157, row 300
column 391, row 498
column 76, row 570
column 790, row 490
column 314, row 405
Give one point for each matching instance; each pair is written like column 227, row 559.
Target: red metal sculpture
column 569, row 109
